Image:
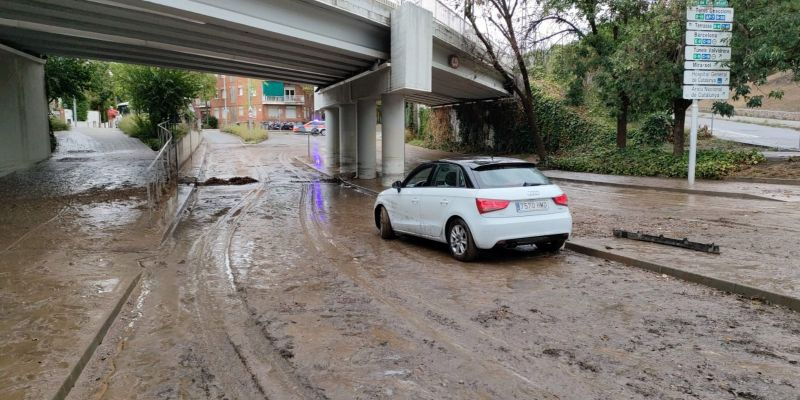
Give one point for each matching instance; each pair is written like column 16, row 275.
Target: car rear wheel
column 553, row 246
column 386, row 225
column 459, row 239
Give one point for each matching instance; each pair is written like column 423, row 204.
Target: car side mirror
column 397, row 185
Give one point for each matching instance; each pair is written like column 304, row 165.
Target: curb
column 668, row 189
column 772, row 181
column 77, row 369
column 716, row 283
column 343, row 181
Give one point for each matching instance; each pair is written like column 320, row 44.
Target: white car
column 476, row 203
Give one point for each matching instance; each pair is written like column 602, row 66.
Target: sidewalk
column 756, row 226
column 732, row 189
column 72, row 233
column 755, row 120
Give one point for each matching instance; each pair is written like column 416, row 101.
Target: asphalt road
column 283, row 289
column 761, row 135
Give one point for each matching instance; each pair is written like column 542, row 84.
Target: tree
column 162, row 93
column 67, row 78
column 608, row 26
column 512, row 22
column 102, row 93
column 766, row 39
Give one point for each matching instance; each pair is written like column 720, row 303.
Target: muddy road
column 282, row 289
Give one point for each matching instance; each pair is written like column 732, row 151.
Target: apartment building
column 239, row 99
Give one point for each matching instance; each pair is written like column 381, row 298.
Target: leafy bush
column 180, row 130
column 656, row 129
column 139, row 126
column 58, row 125
column 256, row 135
column 711, row 164
column 211, row 122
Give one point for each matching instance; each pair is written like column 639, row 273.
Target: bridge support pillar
column 367, row 114
column 393, row 156
column 24, row 138
column 332, row 135
column 348, row 142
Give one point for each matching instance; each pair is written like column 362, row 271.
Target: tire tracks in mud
column 350, row 268
column 270, row 373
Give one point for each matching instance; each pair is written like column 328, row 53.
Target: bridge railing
column 162, row 173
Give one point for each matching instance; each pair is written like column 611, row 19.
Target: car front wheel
column 386, row 225
column 459, row 239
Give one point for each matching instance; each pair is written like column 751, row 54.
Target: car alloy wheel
column 458, row 240
column 462, row 247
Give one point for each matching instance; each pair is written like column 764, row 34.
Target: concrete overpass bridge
column 357, row 52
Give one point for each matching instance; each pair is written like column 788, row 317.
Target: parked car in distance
column 314, row 127
column 476, row 203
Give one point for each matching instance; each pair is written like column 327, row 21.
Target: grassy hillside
column 783, row 80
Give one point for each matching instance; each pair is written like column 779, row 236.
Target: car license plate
column 531, row 205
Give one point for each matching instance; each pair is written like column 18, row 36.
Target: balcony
column 283, row 99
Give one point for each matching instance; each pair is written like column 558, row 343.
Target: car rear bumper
column 489, row 232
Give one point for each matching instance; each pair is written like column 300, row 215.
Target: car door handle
column 444, row 202
column 415, row 200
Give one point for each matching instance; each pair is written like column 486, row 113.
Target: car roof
column 473, row 162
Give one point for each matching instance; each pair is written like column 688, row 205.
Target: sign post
column 706, row 75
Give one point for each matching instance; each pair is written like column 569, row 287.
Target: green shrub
column 656, row 129
column 180, row 130
column 256, row 135
column 139, row 126
column 211, row 122
column 58, row 125
column 711, row 164
column 561, row 127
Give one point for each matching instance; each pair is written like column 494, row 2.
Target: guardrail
column 162, row 173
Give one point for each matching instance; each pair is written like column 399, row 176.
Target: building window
column 241, row 111
column 233, row 93
column 241, row 93
column 223, row 93
column 291, row 112
column 216, row 113
column 288, row 92
column 252, row 91
column 274, row 112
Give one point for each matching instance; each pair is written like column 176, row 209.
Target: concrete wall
column 412, row 48
column 187, row 145
column 24, row 137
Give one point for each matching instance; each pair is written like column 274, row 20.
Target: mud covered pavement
column 282, row 289
column 71, row 236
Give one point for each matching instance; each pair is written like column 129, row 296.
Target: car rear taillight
column 489, row 205
column 561, row 200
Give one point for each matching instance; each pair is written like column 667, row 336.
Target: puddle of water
column 104, row 285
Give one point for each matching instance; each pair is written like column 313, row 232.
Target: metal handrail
column 163, row 170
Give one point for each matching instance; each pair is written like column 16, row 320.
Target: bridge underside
column 356, row 52
column 290, row 40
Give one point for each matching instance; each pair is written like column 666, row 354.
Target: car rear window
column 498, row 176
